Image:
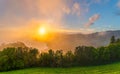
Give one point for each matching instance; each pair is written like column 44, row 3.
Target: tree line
column 19, row 58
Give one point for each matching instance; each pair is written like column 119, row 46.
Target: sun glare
column 42, row 31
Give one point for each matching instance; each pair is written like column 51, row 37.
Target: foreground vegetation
column 19, row 58
column 103, row 69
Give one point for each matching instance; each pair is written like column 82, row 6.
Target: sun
column 42, row 30
column 44, row 33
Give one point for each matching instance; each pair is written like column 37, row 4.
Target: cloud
column 80, row 30
column 92, row 20
column 117, row 13
column 50, row 10
column 76, row 9
column 96, row 1
column 44, row 8
column 15, row 13
column 102, row 33
column 118, row 4
column 99, row 1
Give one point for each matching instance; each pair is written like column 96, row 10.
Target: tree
column 44, row 60
column 59, row 58
column 118, row 40
column 33, row 52
column 51, row 58
column 85, row 55
column 114, row 51
column 68, row 59
column 112, row 39
column 11, row 58
column 103, row 55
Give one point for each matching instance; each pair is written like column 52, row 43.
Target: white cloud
column 92, row 19
column 76, row 9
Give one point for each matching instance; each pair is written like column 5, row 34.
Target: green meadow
column 103, row 69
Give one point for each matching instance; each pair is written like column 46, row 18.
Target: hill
column 16, row 44
column 70, row 41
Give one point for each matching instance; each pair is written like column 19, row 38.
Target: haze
column 21, row 20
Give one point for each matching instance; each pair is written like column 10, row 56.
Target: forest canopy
column 12, row 58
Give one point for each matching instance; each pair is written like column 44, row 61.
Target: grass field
column 103, row 69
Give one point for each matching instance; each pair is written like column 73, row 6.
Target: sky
column 21, row 17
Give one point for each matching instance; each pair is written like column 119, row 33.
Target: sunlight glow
column 42, row 31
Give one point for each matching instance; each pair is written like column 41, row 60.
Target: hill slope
column 70, row 41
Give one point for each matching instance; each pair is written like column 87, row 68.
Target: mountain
column 70, row 41
column 16, row 44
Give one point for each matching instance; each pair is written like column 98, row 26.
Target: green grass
column 103, row 69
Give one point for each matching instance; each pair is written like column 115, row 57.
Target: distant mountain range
column 70, row 41
column 66, row 41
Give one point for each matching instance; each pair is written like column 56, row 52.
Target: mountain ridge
column 70, row 41
column 67, row 42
